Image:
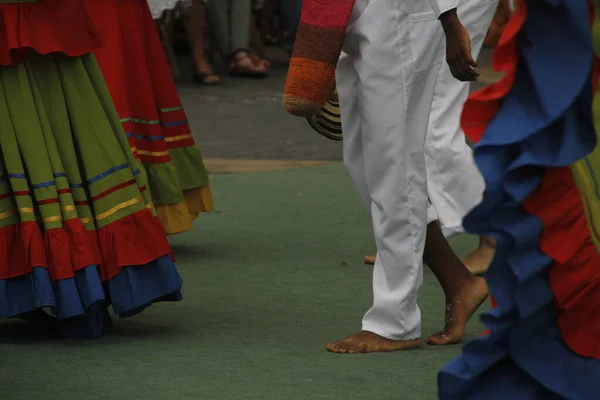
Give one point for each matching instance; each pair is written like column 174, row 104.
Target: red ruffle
column 483, row 105
column 134, row 240
column 575, row 274
column 46, row 26
column 69, row 249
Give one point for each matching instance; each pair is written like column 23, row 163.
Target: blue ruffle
column 76, row 296
column 80, row 303
column 136, row 288
column 26, row 293
column 544, row 121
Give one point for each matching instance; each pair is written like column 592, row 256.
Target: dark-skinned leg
column 464, row 292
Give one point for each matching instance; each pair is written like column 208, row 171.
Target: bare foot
column 479, row 260
column 370, row 260
column 459, row 309
column 369, row 342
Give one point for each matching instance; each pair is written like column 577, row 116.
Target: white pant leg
column 393, row 51
column 454, row 182
column 347, row 83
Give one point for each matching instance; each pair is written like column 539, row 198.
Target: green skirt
column 77, row 226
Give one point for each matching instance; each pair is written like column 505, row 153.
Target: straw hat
column 328, row 121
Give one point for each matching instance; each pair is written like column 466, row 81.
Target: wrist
column 449, row 18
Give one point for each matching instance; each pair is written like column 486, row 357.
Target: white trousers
column 454, row 183
column 385, row 80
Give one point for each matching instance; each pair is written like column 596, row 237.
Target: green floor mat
column 269, row 278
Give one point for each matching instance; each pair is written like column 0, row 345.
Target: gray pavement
column 245, row 119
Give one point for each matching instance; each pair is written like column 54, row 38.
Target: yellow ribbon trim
column 150, row 153
column 177, row 138
column 7, row 214
column 56, row 218
column 118, row 207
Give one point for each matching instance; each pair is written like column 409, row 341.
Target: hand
column 458, row 48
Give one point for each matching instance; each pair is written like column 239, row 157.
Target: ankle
column 487, row 241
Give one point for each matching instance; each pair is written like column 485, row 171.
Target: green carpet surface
column 269, row 278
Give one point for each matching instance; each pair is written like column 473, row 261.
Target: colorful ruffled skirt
column 538, row 152
column 139, row 79
column 78, row 231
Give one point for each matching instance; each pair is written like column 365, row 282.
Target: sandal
column 206, row 78
column 242, row 65
column 266, row 64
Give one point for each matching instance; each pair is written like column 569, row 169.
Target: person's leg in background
column 242, row 22
column 391, row 68
column 260, row 27
column 164, row 26
column 234, row 37
column 195, row 26
column 265, row 19
column 290, row 11
column 455, row 185
column 218, row 12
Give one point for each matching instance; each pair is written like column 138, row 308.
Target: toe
column 337, row 347
column 437, row 339
column 332, row 348
column 370, row 260
column 442, row 338
column 343, row 348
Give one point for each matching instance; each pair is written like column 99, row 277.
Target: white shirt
column 157, row 7
column 441, row 6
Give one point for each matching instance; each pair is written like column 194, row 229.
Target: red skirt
column 46, row 26
column 139, row 78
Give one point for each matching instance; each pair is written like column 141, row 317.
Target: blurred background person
column 193, row 19
column 290, row 11
column 231, row 21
